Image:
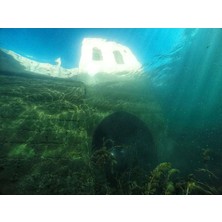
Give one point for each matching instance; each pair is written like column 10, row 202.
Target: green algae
column 46, row 132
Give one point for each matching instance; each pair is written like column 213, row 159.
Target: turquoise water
column 189, row 86
column 45, row 45
column 189, row 90
column 174, row 108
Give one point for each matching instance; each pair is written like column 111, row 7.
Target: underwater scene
column 111, row 111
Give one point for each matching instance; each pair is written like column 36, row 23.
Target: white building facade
column 102, row 56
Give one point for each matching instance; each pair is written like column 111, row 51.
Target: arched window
column 118, row 57
column 97, row 54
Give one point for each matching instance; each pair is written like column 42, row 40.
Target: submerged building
column 63, row 136
column 97, row 56
column 102, row 56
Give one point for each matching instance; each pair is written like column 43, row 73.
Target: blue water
column 190, row 81
column 45, row 45
column 189, row 87
column 185, row 70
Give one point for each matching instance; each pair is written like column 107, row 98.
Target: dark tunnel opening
column 124, row 143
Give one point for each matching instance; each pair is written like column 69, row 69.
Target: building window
column 118, row 57
column 97, row 54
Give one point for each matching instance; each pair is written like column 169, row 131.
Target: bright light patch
column 100, row 55
column 92, row 70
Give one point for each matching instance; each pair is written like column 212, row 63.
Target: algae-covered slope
column 47, row 126
column 40, row 126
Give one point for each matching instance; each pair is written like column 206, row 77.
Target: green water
column 47, row 127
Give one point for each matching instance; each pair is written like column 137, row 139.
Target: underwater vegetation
column 167, row 180
column 46, row 141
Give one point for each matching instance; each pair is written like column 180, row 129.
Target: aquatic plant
column 46, row 135
column 193, row 186
column 103, row 158
column 160, row 180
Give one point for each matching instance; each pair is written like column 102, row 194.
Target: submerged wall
column 47, row 127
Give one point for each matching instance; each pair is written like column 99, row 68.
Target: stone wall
column 47, row 126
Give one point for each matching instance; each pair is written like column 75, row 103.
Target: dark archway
column 126, row 143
